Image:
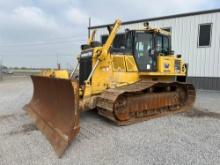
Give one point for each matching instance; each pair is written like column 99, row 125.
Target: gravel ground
column 187, row 138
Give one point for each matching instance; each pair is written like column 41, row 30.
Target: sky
column 40, row 33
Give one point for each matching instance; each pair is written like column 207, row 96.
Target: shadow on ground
column 201, row 113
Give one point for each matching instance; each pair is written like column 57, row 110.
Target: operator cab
column 146, row 46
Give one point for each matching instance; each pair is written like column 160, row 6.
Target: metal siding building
column 204, row 62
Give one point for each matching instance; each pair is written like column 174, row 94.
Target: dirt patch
column 6, row 117
column 200, row 113
column 3, row 117
column 26, row 128
column 29, row 127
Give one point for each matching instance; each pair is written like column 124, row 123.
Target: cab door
column 143, row 48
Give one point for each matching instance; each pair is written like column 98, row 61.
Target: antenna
column 89, row 27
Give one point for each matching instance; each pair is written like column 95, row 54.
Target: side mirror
column 178, row 55
column 152, row 52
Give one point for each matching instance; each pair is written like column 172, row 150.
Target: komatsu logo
column 87, row 54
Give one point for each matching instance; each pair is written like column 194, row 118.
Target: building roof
column 161, row 18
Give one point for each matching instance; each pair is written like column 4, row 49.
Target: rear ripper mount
column 55, row 105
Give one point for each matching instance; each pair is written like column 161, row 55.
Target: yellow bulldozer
column 141, row 80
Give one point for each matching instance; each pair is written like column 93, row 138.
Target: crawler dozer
column 140, row 80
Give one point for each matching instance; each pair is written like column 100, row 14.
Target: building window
column 204, row 38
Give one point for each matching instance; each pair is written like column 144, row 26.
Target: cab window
column 159, row 44
column 165, row 44
column 162, row 44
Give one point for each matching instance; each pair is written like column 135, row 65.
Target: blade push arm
column 91, row 37
column 110, row 39
column 112, row 35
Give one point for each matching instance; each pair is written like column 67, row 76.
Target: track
column 145, row 100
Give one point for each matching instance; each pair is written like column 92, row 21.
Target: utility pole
column 58, row 64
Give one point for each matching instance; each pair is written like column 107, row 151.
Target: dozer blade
column 55, row 110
